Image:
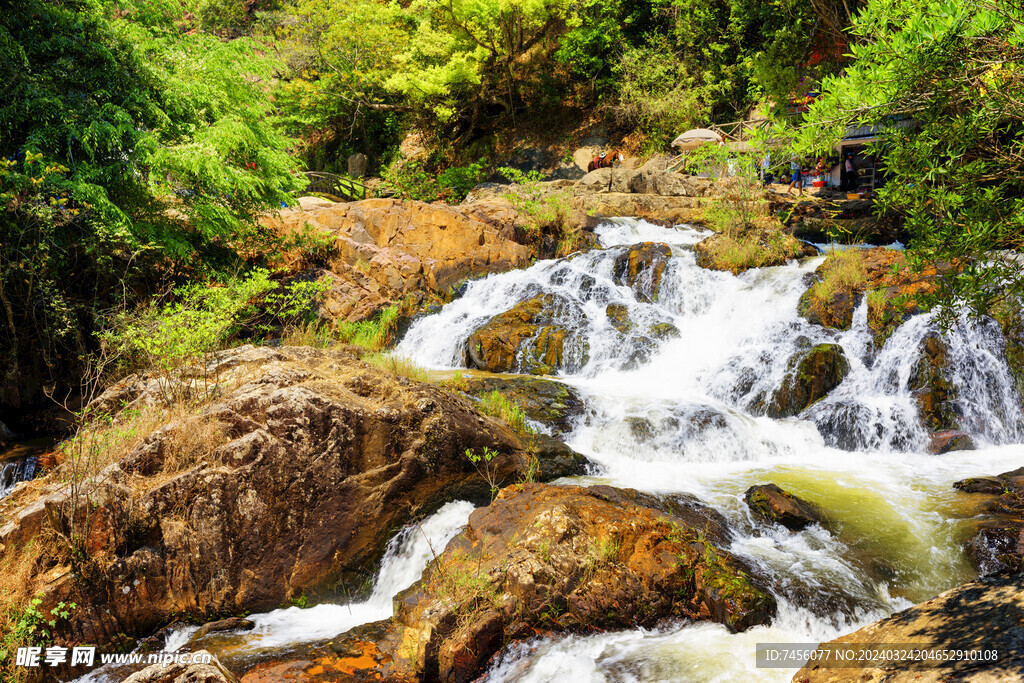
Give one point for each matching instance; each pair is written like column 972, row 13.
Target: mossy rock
column 811, row 376
column 936, row 396
column 772, row 504
column 618, row 316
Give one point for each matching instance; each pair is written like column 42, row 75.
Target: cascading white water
column 686, row 415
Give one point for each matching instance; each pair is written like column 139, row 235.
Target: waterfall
column 689, row 417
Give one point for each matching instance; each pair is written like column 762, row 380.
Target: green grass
column 397, row 365
column 374, row 334
column 842, row 271
column 497, row 405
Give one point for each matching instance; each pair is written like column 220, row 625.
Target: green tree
column 945, row 83
column 129, row 148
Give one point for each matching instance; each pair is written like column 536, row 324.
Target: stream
column 681, row 415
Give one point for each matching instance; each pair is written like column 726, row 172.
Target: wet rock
column 811, row 376
column 618, row 316
column 641, row 267
column 935, row 394
column 557, row 558
column 229, row 624
column 998, row 542
column 184, row 673
column 553, row 404
column 983, row 615
column 289, row 483
column 776, row 506
column 532, row 337
column 556, row 459
column 950, row 440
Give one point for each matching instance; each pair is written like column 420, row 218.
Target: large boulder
column 383, row 249
column 533, row 337
column 641, row 268
column 288, row 484
column 179, row 672
column 552, row 558
column 810, row 377
column 981, row 619
column 773, row 505
column 998, row 540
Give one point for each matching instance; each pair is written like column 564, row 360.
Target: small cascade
column 15, row 471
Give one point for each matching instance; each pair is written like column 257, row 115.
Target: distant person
column 765, row 163
column 852, row 180
column 795, row 180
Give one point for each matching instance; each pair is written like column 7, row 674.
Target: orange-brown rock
column 640, row 268
column 557, row 558
column 531, row 337
column 384, row 249
column 897, row 291
column 287, row 484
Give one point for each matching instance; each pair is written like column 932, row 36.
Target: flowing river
column 681, row 415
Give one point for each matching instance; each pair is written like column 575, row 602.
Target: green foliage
column 656, row 93
column 411, row 180
column 31, row 627
column 202, row 319
column 496, row 404
column 372, row 334
column 130, row 149
column 945, row 83
column 485, row 467
column 531, row 198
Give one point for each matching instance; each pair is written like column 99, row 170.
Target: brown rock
column 184, row 673
column 316, row 458
column 530, row 337
column 558, row 558
column 998, row 541
column 776, row 506
column 950, row 440
column 641, row 267
column 552, row 403
column 984, row 616
column 229, row 624
column 386, row 248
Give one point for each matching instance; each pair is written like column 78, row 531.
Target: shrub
column 495, row 404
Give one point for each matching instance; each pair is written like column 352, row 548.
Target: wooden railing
column 336, row 185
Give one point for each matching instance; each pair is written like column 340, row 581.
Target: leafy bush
column 202, row 319
column 412, row 181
